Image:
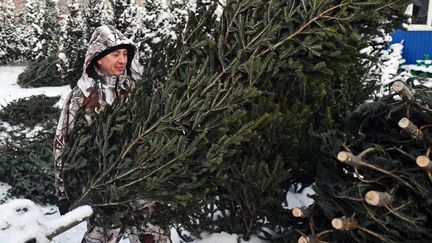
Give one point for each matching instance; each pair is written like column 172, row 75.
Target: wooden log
column 303, row 239
column 400, row 88
column 69, row 220
column 300, row 212
column 308, row 239
column 424, row 162
column 410, row 128
column 344, row 223
column 350, row 159
column 378, row 199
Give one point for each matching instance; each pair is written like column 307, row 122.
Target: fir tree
column 131, row 20
column 121, row 21
column 378, row 181
column 159, row 35
column 312, row 79
column 157, row 46
column 179, row 12
column 40, row 28
column 51, row 30
column 9, row 51
column 74, row 43
column 151, row 27
column 203, row 142
column 32, row 21
column 98, row 12
column 119, row 6
column 188, row 110
column 43, row 45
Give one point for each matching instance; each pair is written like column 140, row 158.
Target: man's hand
column 63, row 205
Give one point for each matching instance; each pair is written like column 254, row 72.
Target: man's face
column 114, row 64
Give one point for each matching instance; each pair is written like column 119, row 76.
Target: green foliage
column 224, row 130
column 422, row 65
column 49, row 38
column 309, row 69
column 421, row 74
column 74, row 45
column 119, row 8
column 168, row 141
column 9, row 50
column 97, row 13
column 27, row 167
column 30, row 111
column 41, row 73
column 27, row 159
column 39, row 29
column 390, row 153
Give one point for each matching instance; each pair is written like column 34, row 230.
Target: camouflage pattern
column 93, row 93
column 148, row 233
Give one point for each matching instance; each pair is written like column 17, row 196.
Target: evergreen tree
column 157, row 48
column 22, row 33
column 159, row 35
column 179, row 12
column 188, row 110
column 312, row 79
column 98, row 12
column 51, row 30
column 26, row 155
column 9, row 51
column 41, row 73
column 151, row 27
column 129, row 21
column 44, row 36
column 40, row 28
column 204, row 142
column 377, row 183
column 119, row 7
column 126, row 17
column 32, row 21
column 73, row 44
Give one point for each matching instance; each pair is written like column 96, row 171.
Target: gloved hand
column 63, row 205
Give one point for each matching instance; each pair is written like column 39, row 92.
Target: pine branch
column 303, row 27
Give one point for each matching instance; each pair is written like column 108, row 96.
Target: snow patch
column 21, row 220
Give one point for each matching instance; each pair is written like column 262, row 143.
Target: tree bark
column 379, row 199
column 400, row 88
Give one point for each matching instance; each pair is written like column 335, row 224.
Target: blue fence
column 416, row 44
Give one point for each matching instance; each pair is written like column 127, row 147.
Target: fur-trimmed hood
column 104, row 38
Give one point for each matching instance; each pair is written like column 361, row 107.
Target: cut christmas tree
column 221, row 134
column 378, row 187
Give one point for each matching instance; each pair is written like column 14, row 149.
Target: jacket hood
column 104, row 39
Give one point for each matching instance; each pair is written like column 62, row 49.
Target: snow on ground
column 30, row 220
column 298, row 200
column 46, row 217
column 11, row 91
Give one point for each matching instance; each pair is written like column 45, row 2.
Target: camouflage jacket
column 94, row 91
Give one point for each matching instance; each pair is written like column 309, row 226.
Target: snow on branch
column 22, row 221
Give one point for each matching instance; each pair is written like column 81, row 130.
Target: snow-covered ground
column 10, row 91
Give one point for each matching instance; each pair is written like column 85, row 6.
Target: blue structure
column 418, row 38
column 416, row 44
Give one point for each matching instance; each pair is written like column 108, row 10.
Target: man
column 110, row 71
